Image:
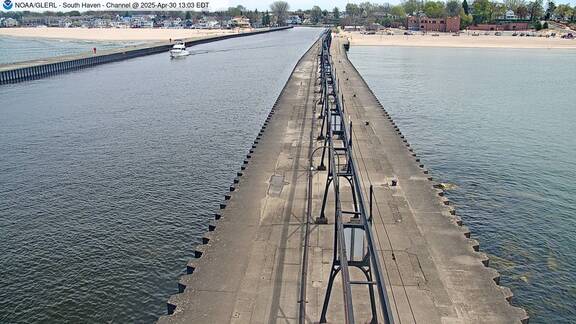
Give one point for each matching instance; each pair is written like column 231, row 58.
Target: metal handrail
column 340, row 245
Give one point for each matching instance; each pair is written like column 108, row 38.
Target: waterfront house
column 9, row 22
column 510, row 15
column 207, row 23
column 240, row 21
column 293, row 20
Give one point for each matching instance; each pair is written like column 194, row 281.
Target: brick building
column 425, row 24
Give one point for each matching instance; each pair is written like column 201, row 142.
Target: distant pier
column 331, row 195
column 30, row 70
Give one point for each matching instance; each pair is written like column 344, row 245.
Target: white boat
column 179, row 50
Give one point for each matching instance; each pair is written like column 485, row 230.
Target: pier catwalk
column 250, row 268
column 265, row 259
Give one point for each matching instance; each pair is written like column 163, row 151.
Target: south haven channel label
column 104, row 5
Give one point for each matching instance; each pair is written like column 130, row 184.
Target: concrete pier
column 250, row 268
column 29, row 70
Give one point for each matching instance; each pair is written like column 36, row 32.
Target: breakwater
column 263, row 246
column 22, row 71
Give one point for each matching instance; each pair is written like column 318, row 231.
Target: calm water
column 16, row 49
column 500, row 125
column 109, row 175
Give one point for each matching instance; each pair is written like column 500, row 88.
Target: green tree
column 452, row 8
column 535, row 9
column 336, row 13
column 316, row 14
column 514, row 4
column 538, row 25
column 466, row 7
column 522, row 11
column 498, row 10
column 483, row 10
column 412, row 6
column 188, row 15
column 353, row 11
column 545, row 25
column 367, row 9
column 280, row 10
column 465, row 20
column 236, row 11
column 550, row 10
column 564, row 11
column 434, row 9
column 398, row 11
column 266, row 19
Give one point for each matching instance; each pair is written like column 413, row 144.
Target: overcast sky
column 302, row 4
column 327, row 4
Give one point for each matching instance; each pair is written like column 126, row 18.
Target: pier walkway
column 251, row 269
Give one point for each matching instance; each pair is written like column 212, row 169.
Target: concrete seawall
column 251, row 266
column 29, row 70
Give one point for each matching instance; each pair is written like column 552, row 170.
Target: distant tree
column 514, row 4
column 253, row 15
column 398, row 11
column 551, row 8
column 353, row 11
column 499, row 10
column 366, row 9
column 483, row 11
column 545, row 25
column 465, row 7
column 452, row 8
column 315, row 14
column 434, row 9
column 535, row 9
column 188, row 15
column 412, row 6
column 74, row 13
column 564, row 12
column 336, row 13
column 280, row 10
column 266, row 19
column 538, row 25
column 522, row 11
column 236, row 11
column 465, row 20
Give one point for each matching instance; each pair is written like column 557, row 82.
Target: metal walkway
column 354, row 244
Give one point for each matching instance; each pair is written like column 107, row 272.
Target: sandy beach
column 114, row 34
column 447, row 40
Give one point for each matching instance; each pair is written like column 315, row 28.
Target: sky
column 328, row 4
column 303, row 4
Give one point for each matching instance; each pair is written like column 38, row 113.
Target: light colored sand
column 447, row 40
column 119, row 34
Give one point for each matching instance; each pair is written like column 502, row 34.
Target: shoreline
column 116, row 34
column 445, row 40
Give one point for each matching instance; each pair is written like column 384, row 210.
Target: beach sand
column 115, row 34
column 464, row 40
